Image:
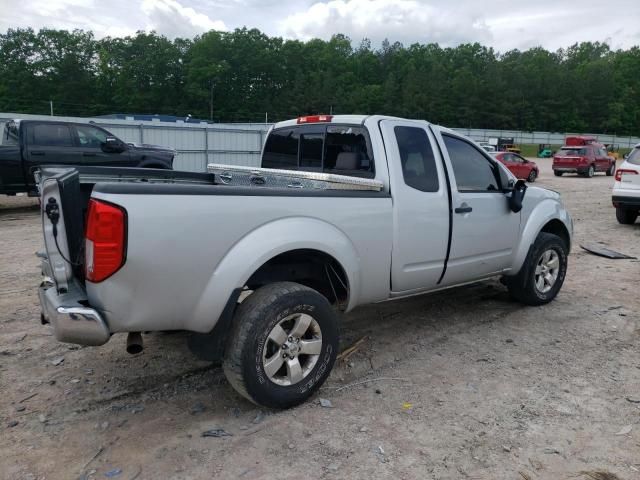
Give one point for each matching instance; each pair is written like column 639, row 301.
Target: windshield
column 634, row 156
column 573, row 152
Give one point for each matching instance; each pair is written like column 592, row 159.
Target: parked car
column 584, row 160
column 626, row 189
column 488, row 147
column 545, row 151
column 263, row 272
column 518, row 165
column 29, row 144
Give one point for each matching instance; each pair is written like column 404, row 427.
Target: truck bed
column 216, row 224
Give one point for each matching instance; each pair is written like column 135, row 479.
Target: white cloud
column 408, row 21
column 503, row 24
column 173, row 19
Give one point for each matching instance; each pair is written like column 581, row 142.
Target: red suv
column 584, row 160
column 518, row 165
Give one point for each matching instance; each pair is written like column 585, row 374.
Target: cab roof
column 309, row 119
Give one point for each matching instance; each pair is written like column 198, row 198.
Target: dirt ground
column 464, row 384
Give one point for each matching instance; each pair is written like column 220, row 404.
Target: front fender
column 534, row 220
column 262, row 244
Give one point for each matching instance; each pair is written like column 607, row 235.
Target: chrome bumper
column 72, row 322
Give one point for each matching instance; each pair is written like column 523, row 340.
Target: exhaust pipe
column 134, row 343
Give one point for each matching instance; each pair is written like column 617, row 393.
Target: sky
column 502, row 24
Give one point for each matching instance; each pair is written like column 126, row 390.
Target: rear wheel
column 532, row 176
column 282, row 346
column 611, row 170
column 557, row 173
column 542, row 275
column 590, row 172
column 626, row 216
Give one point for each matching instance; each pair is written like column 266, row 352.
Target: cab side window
column 416, row 156
column 473, row 171
column 90, row 137
column 51, row 135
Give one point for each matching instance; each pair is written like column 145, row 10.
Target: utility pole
column 51, row 107
column 266, row 117
column 211, row 103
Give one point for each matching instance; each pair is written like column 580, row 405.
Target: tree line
column 241, row 75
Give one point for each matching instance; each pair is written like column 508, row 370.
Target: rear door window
column 417, row 159
column 634, row 156
column 52, row 135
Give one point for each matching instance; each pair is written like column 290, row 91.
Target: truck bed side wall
column 187, row 253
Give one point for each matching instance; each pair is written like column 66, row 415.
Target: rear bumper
column 571, row 169
column 623, row 201
column 72, row 321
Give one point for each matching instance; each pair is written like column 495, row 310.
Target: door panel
column 420, row 206
column 484, row 229
column 49, row 144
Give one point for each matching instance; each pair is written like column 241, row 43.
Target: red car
column 518, row 165
column 584, row 160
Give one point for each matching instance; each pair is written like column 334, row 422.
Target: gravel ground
column 461, row 384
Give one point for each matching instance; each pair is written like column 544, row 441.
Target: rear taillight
column 104, row 240
column 621, row 172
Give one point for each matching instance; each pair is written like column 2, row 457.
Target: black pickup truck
column 28, row 144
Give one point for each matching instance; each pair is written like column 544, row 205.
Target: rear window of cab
column 337, row 149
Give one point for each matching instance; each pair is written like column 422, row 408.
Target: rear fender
column 262, row 244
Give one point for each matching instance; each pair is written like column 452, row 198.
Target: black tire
column 557, row 173
column 532, row 176
column 611, row 170
column 522, row 287
column 253, row 322
column 590, row 172
column 626, row 216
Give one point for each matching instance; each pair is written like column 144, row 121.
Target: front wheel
column 542, row 275
column 282, row 346
column 557, row 173
column 626, row 216
column 532, row 176
column 611, row 170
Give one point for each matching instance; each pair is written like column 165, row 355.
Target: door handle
column 38, row 152
column 464, row 208
column 88, row 154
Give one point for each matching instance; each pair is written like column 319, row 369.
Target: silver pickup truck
column 263, row 273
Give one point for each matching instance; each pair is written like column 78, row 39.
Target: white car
column 626, row 190
column 487, row 147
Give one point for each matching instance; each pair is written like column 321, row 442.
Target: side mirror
column 516, row 195
column 113, row 145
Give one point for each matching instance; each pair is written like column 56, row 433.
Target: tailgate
column 62, row 293
column 629, row 181
column 569, row 162
column 62, row 226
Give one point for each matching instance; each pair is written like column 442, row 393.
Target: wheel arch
column 271, row 253
column 548, row 216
